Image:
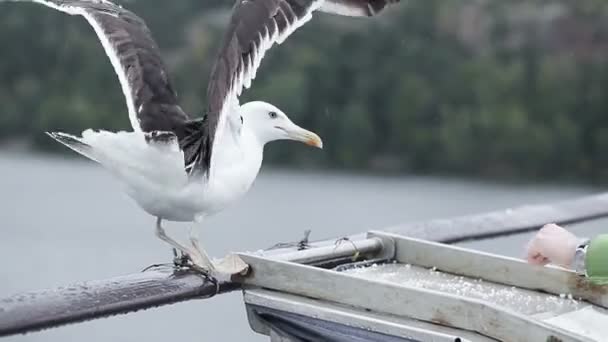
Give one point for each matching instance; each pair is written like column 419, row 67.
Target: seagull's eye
column 241, row 119
column 272, row 115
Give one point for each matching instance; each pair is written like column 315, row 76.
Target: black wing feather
column 136, row 58
column 356, row 8
column 252, row 22
column 155, row 100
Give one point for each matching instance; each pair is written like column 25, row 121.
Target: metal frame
column 32, row 311
column 259, row 302
column 416, row 303
column 496, row 268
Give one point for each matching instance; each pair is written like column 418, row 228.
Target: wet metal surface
column 520, row 300
column 80, row 302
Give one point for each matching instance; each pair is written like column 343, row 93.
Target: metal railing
column 27, row 312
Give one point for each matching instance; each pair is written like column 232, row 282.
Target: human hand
column 552, row 244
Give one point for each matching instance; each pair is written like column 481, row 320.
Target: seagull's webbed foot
column 231, row 265
column 194, row 258
column 180, row 260
column 223, row 271
column 226, row 267
column 183, row 261
column 190, row 255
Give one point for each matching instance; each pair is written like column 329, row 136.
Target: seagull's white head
column 269, row 123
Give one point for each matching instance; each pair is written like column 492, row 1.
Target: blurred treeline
column 473, row 87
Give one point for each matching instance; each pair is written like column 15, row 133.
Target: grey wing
column 128, row 43
column 356, row 8
column 254, row 27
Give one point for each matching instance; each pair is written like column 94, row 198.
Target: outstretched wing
column 254, row 27
column 355, row 8
column 128, row 43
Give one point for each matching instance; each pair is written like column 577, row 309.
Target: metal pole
column 337, row 250
column 507, row 221
column 38, row 310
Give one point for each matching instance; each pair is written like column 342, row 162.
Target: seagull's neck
column 239, row 145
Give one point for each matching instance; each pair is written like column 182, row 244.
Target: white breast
column 235, row 167
column 150, row 176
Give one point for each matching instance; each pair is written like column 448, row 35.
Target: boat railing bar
column 507, row 221
column 32, row 311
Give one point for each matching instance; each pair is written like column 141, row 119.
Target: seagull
column 181, row 168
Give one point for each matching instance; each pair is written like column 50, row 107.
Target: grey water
column 67, row 220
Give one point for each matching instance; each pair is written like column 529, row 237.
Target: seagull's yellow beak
column 309, row 138
column 313, row 140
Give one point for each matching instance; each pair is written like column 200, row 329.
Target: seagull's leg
column 191, row 253
column 203, row 259
column 231, row 264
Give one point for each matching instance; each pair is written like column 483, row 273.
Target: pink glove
column 552, row 244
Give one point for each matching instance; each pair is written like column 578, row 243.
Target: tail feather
column 131, row 156
column 74, row 143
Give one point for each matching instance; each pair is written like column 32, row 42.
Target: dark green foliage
column 478, row 88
